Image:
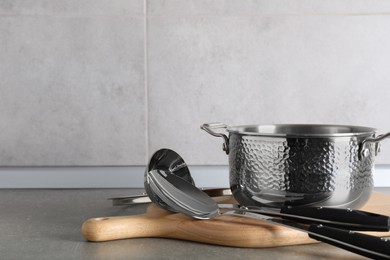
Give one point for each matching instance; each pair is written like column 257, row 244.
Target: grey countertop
column 45, row 224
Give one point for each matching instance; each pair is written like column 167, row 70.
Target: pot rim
column 302, row 130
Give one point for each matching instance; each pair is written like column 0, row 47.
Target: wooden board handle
column 113, row 228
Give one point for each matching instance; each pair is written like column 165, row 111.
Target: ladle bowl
column 169, row 162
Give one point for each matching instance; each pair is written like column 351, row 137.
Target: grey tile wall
column 109, row 82
column 72, row 83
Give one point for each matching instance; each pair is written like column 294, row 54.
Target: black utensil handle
column 365, row 245
column 361, row 220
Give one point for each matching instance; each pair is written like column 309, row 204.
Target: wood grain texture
column 227, row 230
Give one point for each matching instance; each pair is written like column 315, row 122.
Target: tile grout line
column 276, row 14
column 70, row 15
column 146, row 86
column 243, row 14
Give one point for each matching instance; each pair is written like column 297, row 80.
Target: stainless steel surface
column 130, row 200
column 375, row 140
column 144, row 198
column 209, row 129
column 166, row 160
column 171, row 163
column 317, row 165
column 187, row 199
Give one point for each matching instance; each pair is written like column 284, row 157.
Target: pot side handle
column 364, row 151
column 209, row 127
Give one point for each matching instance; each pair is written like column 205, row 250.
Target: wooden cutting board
column 227, row 230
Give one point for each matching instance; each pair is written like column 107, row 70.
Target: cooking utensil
column 143, row 198
column 226, row 231
column 317, row 165
column 189, row 200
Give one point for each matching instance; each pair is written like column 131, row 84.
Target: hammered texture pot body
column 278, row 171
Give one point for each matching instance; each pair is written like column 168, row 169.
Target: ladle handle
column 362, row 244
column 339, row 217
column 357, row 220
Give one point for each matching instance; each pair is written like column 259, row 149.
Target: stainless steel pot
column 318, row 165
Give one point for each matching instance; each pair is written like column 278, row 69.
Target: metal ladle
column 170, row 162
column 182, row 196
